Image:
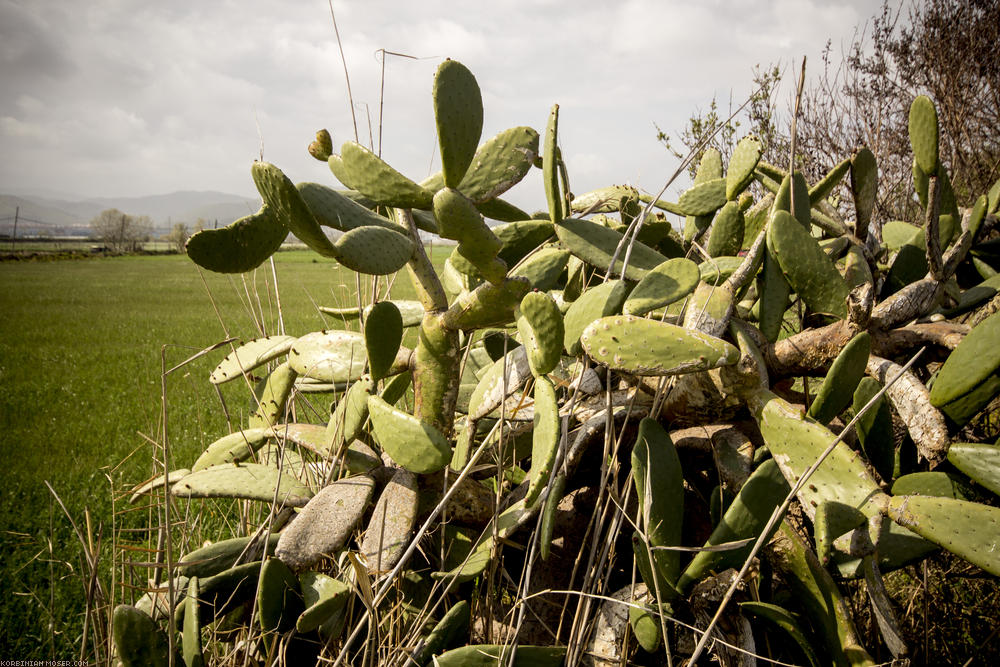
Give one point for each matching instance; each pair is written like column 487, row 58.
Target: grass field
column 80, row 346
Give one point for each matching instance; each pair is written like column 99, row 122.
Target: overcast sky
column 127, row 98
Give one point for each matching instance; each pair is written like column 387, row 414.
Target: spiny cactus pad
column 659, row 487
column 745, row 157
column 412, row 443
column 595, row 244
column 806, row 267
column 372, row 250
column 796, row 442
column 360, row 169
column 250, row 356
column 924, row 134
column 967, row 529
column 845, row 373
column 703, row 198
column 251, row 481
column 232, row 448
column 540, row 325
column 279, row 598
column 671, row 281
column 458, row 112
column 239, row 247
column 544, row 438
column 500, row 164
column 329, row 356
column 648, row 347
column 281, row 196
column 981, row 462
column 383, row 335
column 217, row 557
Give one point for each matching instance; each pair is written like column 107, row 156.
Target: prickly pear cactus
column 590, row 370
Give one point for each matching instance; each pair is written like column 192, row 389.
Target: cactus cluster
column 550, row 345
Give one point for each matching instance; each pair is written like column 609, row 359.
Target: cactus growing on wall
column 591, row 362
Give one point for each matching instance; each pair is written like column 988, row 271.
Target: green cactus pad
column 703, row 198
column 251, row 481
column 219, row 556
column 232, row 448
column 459, row 220
column 550, row 167
column 745, row 157
column 250, row 356
column 279, row 599
column 412, row 443
column 360, row 169
column 923, row 126
column 383, row 335
column 473, row 565
column 845, row 373
column 139, row 641
column 774, row 291
column 273, row 398
column 864, row 186
column 874, row 428
column 239, row 247
column 831, row 521
column 540, row 325
column 595, row 244
column 746, row 517
column 329, row 356
column 599, row 301
column 458, row 112
column 969, row 530
column 191, row 637
column 375, row 251
column 671, row 281
column 544, row 438
column 324, row 598
column 970, row 364
column 659, row 486
column 806, row 267
column 388, row 533
column 981, row 462
column 649, row 347
column 825, row 185
column 521, row 237
column 486, row 306
column 543, row 268
column 709, row 167
column 499, row 165
column 492, row 655
column 796, row 442
column 727, row 231
column 932, row 483
column 283, row 198
column 448, row 631
column 325, row 524
column 333, row 209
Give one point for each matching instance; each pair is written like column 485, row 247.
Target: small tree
column 121, row 232
column 178, row 236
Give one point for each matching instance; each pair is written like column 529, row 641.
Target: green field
column 80, row 402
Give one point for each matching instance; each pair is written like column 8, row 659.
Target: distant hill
column 41, row 215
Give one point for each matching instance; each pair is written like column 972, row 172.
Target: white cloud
column 112, row 98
